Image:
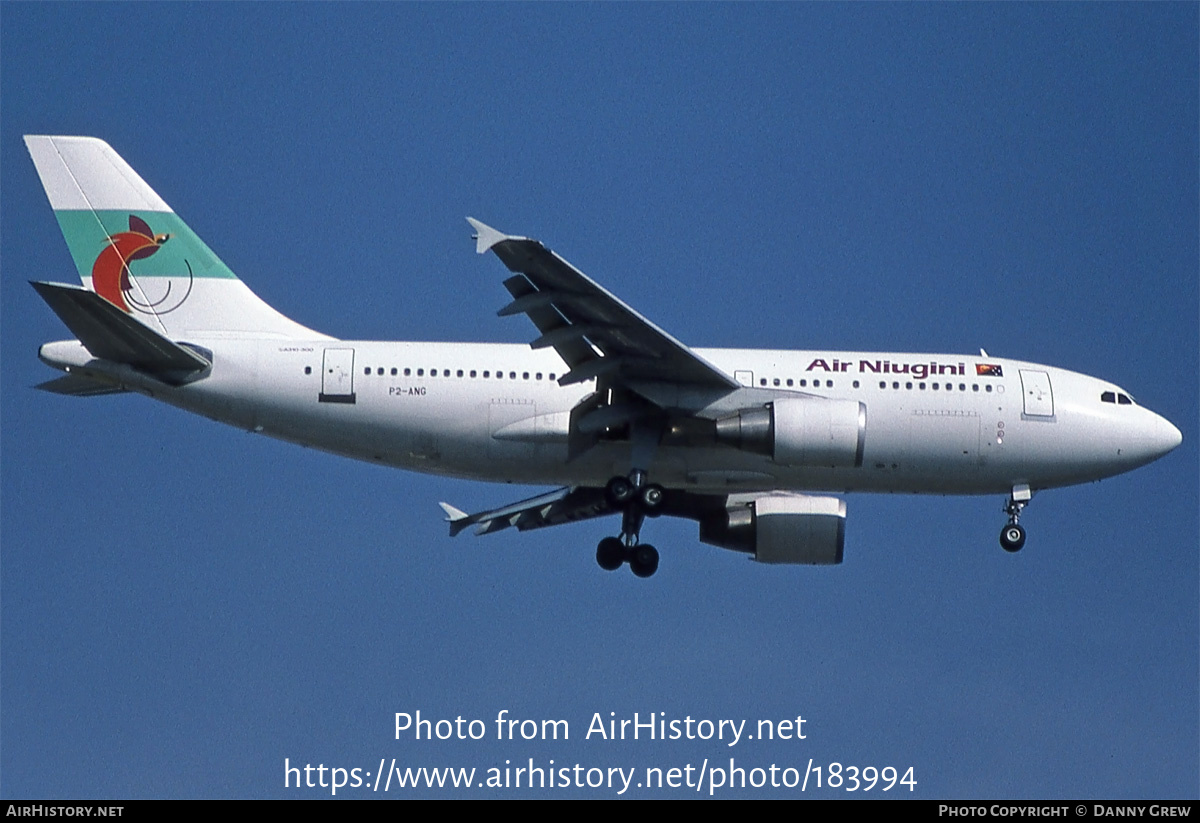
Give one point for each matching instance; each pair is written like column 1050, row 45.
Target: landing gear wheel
column 619, row 492
column 643, row 560
column 1012, row 537
column 610, row 554
column 652, row 500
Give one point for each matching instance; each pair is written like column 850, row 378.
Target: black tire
column 644, row 561
column 652, row 498
column 1012, row 537
column 619, row 492
column 610, row 554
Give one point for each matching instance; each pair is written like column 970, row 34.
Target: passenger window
column 789, row 381
column 308, row 369
column 856, row 384
column 539, row 375
column 367, row 370
column 472, row 372
column 762, row 381
column 989, row 386
column 460, row 372
column 829, row 384
column 487, row 374
column 775, row 382
column 408, row 372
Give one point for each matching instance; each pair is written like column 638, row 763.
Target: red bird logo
column 110, row 272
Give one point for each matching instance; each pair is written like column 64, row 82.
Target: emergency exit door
column 1039, row 399
column 337, row 376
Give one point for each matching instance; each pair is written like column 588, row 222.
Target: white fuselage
column 495, row 412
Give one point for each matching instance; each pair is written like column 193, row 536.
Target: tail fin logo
column 110, row 273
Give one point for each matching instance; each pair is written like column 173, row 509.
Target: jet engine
column 779, row 528
column 800, row 431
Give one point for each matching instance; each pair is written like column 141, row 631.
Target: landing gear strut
column 636, row 499
column 1012, row 536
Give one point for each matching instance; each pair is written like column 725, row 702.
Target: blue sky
column 184, row 605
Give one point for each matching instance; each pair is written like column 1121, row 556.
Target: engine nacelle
column 780, row 528
column 800, row 431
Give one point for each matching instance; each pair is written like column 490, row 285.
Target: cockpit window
column 1108, row 397
column 1124, row 400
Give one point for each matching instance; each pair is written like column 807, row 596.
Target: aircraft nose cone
column 1166, row 436
column 1148, row 437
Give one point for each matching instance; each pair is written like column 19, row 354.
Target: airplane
column 754, row 445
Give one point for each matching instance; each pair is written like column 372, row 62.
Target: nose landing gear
column 1012, row 536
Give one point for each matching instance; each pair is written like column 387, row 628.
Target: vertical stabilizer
column 135, row 252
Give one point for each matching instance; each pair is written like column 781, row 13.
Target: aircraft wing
column 595, row 333
column 564, row 505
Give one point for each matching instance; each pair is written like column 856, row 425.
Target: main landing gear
column 1012, row 536
column 636, row 501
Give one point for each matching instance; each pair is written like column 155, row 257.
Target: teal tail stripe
column 87, row 234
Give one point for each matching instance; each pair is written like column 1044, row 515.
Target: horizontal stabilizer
column 111, row 334
column 77, row 385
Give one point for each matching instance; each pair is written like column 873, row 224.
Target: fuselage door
column 337, row 376
column 1039, row 399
